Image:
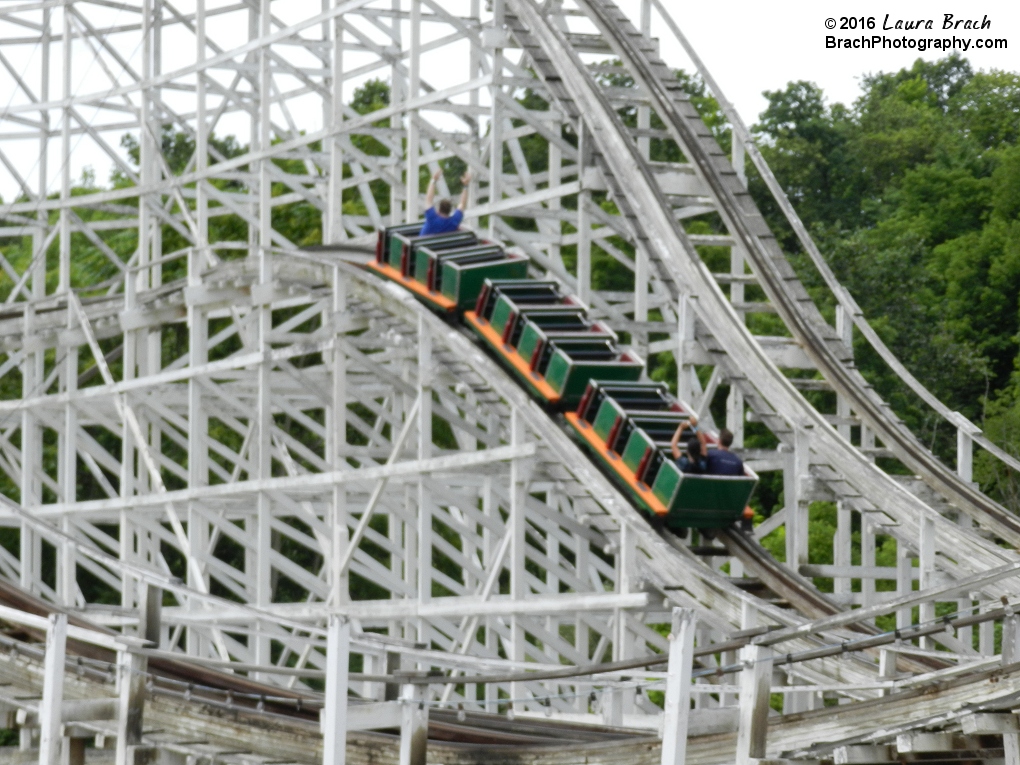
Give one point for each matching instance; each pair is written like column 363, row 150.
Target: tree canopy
column 913, row 194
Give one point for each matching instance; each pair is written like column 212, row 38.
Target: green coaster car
column 548, row 340
column 629, row 428
column 403, row 247
column 445, row 271
column 459, row 274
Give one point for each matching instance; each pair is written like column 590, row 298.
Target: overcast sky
column 754, row 46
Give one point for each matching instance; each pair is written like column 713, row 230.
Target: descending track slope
column 671, row 252
column 778, row 278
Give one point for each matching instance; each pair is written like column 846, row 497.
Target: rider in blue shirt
column 442, row 218
column 721, row 461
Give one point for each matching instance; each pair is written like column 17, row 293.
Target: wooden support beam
column 334, row 715
column 862, row 754
column 414, row 725
column 755, row 682
column 53, row 690
column 74, row 750
column 131, row 666
column 989, row 723
column 678, row 687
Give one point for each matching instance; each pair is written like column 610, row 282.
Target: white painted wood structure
column 303, row 458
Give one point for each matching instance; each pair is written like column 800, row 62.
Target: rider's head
column 725, row 438
column 445, row 207
column 694, row 448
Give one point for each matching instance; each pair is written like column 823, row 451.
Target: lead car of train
column 571, row 364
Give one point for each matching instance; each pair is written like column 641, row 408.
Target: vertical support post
column 735, row 415
column 684, row 335
column 678, row 687
column 414, row 725
column 337, row 445
column 644, row 113
column 640, row 336
column 263, row 415
column 150, row 609
column 64, row 277
column 867, row 559
column 841, row 547
column 964, row 455
column 413, row 86
column 474, row 67
column 582, row 632
column 496, row 115
column 735, row 399
column 904, row 582
column 845, row 330
column 1011, row 748
column 755, row 689
column 737, row 156
column 868, row 441
column 334, row 717
column 986, row 630
column 1010, row 631
column 796, row 467
column 394, row 664
column 130, row 706
column 1010, row 655
column 425, row 361
column 334, row 211
column 620, row 700
column 644, row 122
column 198, row 435
column 396, row 96
column 75, row 751
column 887, row 666
column 926, row 564
column 53, row 690
column 31, row 458
column 516, row 528
column 67, row 585
column 39, row 234
column 584, row 218
column 201, row 133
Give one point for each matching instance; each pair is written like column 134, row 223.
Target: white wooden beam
column 53, row 690
column 678, row 687
column 334, row 714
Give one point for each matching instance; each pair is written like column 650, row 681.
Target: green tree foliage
column 912, row 194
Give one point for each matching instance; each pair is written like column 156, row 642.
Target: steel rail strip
column 777, row 277
column 684, row 266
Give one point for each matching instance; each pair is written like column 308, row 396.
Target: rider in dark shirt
column 721, row 461
column 694, row 460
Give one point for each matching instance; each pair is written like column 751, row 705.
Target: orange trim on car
column 587, row 432
column 535, row 380
column 436, row 298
